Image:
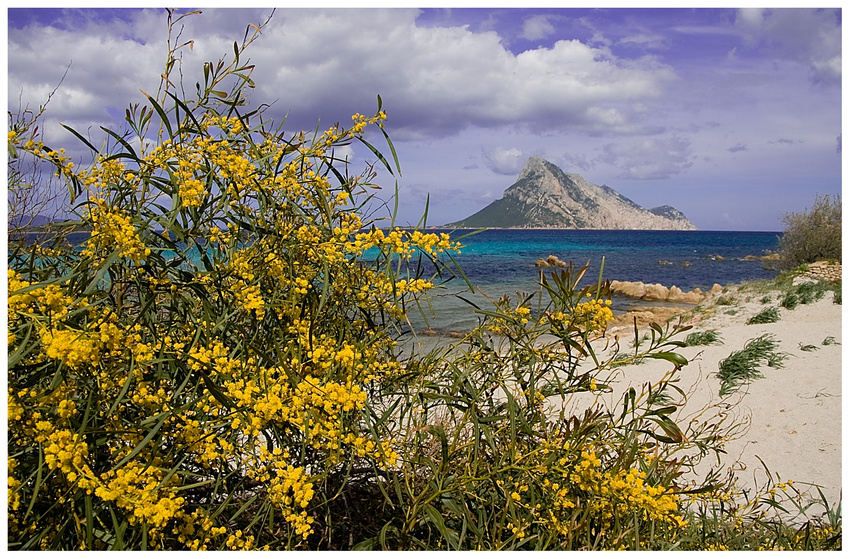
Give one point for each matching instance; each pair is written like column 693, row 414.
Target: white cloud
column 811, row 37
column 454, row 88
column 333, row 63
column 646, row 40
column 537, row 27
column 504, row 161
column 439, row 80
column 652, row 158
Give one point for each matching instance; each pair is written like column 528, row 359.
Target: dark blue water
column 501, row 261
column 508, row 255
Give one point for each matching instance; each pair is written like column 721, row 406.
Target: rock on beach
column 551, row 261
column 824, row 270
column 658, row 292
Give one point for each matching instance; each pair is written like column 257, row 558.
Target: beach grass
column 742, row 367
column 707, row 337
column 766, row 316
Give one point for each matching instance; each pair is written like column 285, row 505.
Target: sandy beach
column 793, row 415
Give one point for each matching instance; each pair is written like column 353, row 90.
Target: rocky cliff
column 544, row 196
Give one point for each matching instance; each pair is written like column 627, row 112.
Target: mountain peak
column 533, row 162
column 544, row 196
column 537, row 165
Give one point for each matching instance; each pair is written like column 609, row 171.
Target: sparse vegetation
column 767, row 316
column 742, row 367
column 790, row 301
column 703, row 338
column 808, row 292
column 638, row 341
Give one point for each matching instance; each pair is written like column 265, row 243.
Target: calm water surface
column 501, row 261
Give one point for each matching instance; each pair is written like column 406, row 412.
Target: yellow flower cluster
column 590, row 316
column 508, row 319
column 73, row 348
column 196, row 531
column 246, row 293
column 66, row 451
column 360, row 122
column 379, row 291
column 336, row 134
column 402, row 243
column 49, row 299
column 620, row 493
column 570, row 478
column 102, row 174
column 145, row 491
column 37, row 148
column 290, row 489
column 111, row 230
column 13, row 496
column 320, row 410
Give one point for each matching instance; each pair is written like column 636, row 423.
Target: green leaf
column 670, row 429
column 131, row 153
column 378, row 154
column 161, row 113
column 101, row 271
column 440, row 432
column 675, row 358
column 664, row 411
column 437, row 520
column 366, row 545
column 22, row 350
column 392, row 150
column 75, row 133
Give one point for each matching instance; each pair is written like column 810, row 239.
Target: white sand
column 794, row 412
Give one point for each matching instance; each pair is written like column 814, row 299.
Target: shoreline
column 446, row 227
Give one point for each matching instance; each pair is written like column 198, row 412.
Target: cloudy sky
column 733, row 116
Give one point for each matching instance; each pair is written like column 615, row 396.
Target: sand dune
column 794, row 413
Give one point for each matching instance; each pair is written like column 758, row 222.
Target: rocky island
column 544, row 196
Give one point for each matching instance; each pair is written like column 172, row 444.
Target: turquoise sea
column 501, row 261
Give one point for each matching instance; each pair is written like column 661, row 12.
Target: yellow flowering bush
column 197, row 374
